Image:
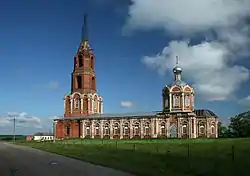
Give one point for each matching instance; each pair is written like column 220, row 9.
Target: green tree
column 223, row 131
column 240, row 125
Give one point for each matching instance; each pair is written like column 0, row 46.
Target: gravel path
column 25, row 161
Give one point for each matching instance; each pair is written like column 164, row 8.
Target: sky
column 135, row 44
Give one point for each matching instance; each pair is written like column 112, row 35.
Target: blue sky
column 39, row 40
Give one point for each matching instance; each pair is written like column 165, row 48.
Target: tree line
column 239, row 127
column 10, row 137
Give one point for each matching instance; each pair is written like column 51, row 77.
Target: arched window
column 212, row 129
column 116, row 129
column 88, row 130
column 136, row 129
column 147, row 129
column 173, row 131
column 202, row 129
column 176, row 100
column 184, row 129
column 76, row 103
column 97, row 129
column 67, row 130
column 187, row 100
column 163, row 129
column 106, row 129
column 126, row 129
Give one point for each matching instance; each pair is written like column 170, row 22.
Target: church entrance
column 173, row 131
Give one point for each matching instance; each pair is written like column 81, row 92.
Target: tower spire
column 177, row 70
column 84, row 46
column 85, row 28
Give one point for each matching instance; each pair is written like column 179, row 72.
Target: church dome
column 177, row 70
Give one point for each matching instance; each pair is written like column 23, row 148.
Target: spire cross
column 177, row 60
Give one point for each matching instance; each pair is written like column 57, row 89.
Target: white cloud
column 187, row 16
column 22, row 120
column 245, row 101
column 210, row 64
column 205, row 64
column 127, row 104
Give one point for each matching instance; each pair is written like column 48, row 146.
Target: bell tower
column 178, row 97
column 83, row 99
column 83, row 75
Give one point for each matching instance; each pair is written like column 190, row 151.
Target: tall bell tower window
column 80, row 58
column 93, row 83
column 79, row 81
column 92, row 62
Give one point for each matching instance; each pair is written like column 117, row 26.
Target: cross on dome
column 177, row 60
column 177, row 69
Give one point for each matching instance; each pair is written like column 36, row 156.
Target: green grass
column 159, row 157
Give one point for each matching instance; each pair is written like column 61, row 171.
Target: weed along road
column 24, row 161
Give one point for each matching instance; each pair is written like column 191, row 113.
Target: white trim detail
column 73, row 94
column 71, row 105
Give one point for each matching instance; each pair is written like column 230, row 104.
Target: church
column 84, row 117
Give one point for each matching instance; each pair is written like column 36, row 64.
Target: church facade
column 84, row 117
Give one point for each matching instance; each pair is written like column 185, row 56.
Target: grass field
column 160, row 157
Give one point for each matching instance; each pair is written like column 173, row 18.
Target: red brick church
column 83, row 108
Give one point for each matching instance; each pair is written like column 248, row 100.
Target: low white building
column 43, row 138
